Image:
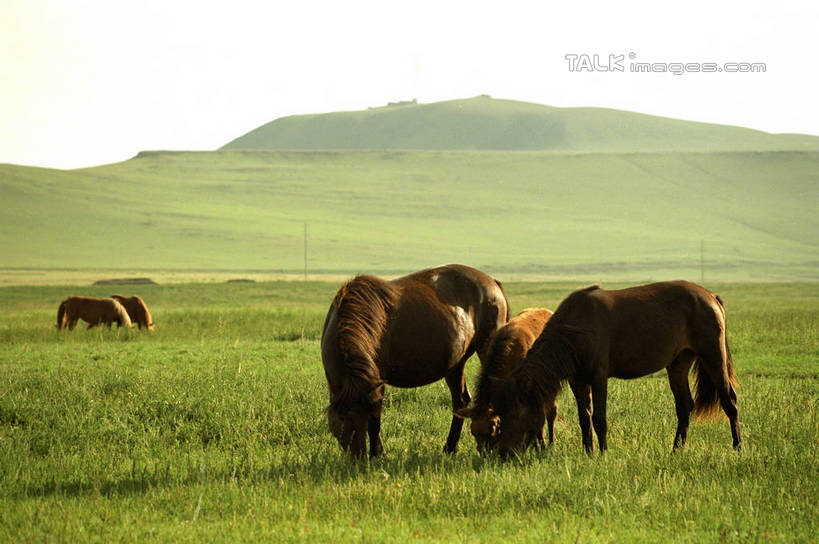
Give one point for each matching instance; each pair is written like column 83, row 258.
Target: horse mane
column 495, row 367
column 121, row 313
column 137, row 309
column 551, row 360
column 363, row 306
column 143, row 310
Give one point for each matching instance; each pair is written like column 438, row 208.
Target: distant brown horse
column 506, row 351
column 94, row 311
column 137, row 310
column 597, row 334
column 407, row 332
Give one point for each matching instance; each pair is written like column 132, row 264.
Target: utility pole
column 702, row 261
column 305, row 251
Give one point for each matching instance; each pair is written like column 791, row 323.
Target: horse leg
column 551, row 415
column 374, row 431
column 678, row 380
column 728, row 400
column 456, row 380
column 582, row 394
column 353, row 437
column 599, row 389
column 358, row 445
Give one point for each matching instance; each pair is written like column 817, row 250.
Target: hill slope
column 581, row 216
column 491, row 124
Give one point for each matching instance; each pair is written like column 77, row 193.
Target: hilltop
column 484, row 123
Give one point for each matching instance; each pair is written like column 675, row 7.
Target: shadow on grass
column 326, row 464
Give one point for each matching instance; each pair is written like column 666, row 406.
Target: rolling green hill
column 631, row 216
column 487, row 123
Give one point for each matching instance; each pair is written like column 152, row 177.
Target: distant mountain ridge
column 485, row 123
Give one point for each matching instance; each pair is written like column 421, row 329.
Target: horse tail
column 506, row 299
column 61, row 317
column 363, row 307
column 706, row 397
column 122, row 315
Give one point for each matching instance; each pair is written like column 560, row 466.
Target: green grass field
column 211, row 429
column 530, row 215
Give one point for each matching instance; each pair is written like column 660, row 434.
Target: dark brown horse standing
column 506, row 351
column 596, row 334
column 137, row 310
column 407, row 332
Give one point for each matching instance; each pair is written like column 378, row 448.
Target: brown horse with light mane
column 507, row 350
column 137, row 310
column 94, row 311
column 596, row 334
column 407, row 332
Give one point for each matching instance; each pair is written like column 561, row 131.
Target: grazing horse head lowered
column 137, row 311
column 597, row 334
column 506, row 351
column 406, row 332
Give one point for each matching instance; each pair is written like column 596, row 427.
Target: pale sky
column 88, row 82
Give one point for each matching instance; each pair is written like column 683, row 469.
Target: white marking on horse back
column 466, row 330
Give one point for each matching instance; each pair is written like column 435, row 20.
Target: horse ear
column 464, row 413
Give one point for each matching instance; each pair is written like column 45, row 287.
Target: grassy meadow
column 211, row 429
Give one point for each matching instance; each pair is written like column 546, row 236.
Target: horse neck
column 362, row 306
column 550, row 361
column 499, row 365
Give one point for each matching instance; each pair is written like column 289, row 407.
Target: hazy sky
column 86, row 82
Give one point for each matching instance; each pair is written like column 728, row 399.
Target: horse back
column 412, row 330
column 507, row 350
column 641, row 330
column 443, row 315
column 479, row 300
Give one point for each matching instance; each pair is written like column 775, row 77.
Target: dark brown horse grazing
column 137, row 310
column 596, row 334
column 407, row 332
column 94, row 311
column 506, row 351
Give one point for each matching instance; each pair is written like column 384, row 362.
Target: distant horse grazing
column 506, row 351
column 407, row 332
column 94, row 311
column 597, row 334
column 137, row 310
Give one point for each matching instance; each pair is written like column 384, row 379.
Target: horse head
column 521, row 415
column 484, row 425
column 348, row 420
